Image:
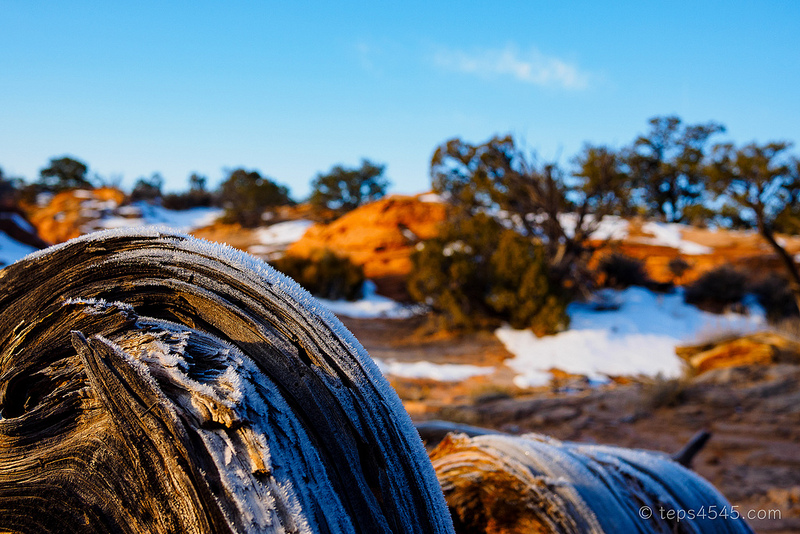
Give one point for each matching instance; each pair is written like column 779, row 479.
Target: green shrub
column 245, row 196
column 148, row 189
column 187, row 200
column 621, row 271
column 344, row 189
column 324, row 274
column 63, row 174
column 678, row 267
column 196, row 196
column 478, row 274
column 775, row 296
column 717, row 289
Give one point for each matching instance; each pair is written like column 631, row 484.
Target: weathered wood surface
column 151, row 382
column 501, row 484
column 434, row 431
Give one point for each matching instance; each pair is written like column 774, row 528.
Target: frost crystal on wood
column 152, row 382
column 532, row 483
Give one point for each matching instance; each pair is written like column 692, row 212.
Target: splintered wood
column 153, row 383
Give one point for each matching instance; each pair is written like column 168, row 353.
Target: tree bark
column 152, row 383
column 532, row 483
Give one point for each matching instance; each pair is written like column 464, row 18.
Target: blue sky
column 292, row 88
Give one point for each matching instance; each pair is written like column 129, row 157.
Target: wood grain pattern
column 499, row 484
column 151, row 382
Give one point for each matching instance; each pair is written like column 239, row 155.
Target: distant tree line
column 244, row 194
column 519, row 238
column 672, row 174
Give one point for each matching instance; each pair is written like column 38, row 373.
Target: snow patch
column 670, row 235
column 275, row 239
column 432, row 198
column 444, row 372
column 615, row 228
column 284, row 233
column 639, row 338
column 129, row 211
column 145, row 214
column 610, row 227
column 82, row 193
column 371, row 306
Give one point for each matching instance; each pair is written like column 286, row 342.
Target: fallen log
column 433, row 432
column 151, row 383
column 498, row 484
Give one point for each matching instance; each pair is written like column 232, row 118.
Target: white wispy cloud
column 531, row 66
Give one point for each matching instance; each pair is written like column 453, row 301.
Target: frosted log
column 535, row 484
column 433, row 432
column 151, row 383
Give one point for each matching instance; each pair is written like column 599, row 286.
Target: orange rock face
column 762, row 348
column 378, row 236
column 68, row 211
column 381, row 236
column 746, row 250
